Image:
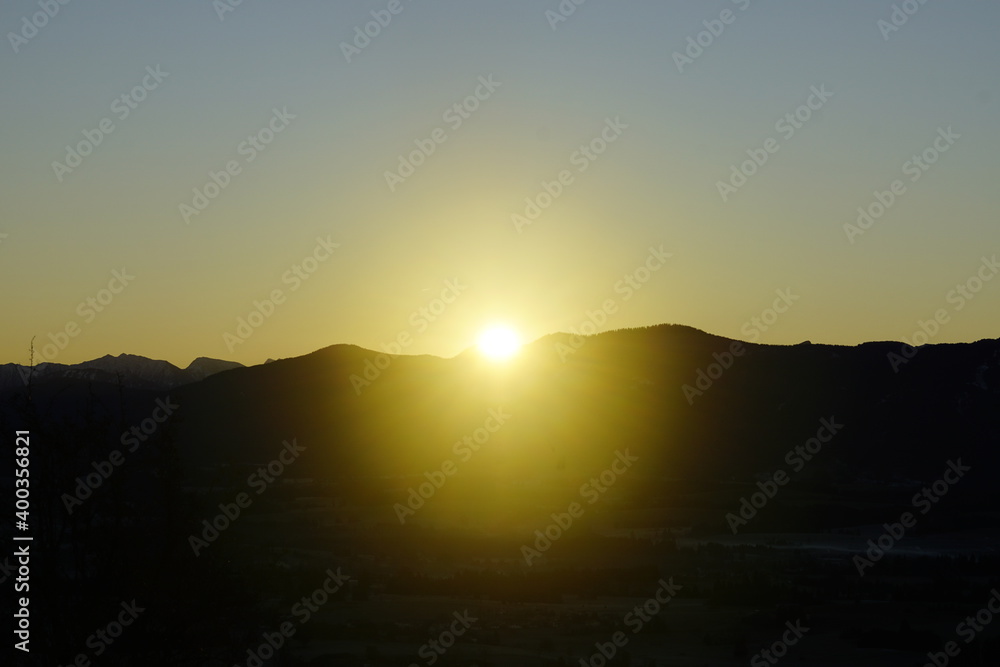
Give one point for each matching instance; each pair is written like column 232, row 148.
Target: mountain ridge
column 131, row 370
column 692, row 406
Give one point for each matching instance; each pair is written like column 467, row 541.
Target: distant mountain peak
column 132, row 370
column 202, row 367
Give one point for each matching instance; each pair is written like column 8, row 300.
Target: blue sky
column 323, row 175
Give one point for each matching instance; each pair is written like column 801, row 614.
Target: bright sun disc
column 499, row 343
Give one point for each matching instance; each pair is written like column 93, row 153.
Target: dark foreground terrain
column 644, row 497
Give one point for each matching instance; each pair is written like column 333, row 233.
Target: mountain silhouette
column 570, row 410
column 427, row 478
column 132, row 371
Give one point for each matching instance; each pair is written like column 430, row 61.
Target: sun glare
column 499, row 343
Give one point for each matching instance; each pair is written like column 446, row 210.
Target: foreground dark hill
column 678, row 398
column 651, row 390
column 430, row 482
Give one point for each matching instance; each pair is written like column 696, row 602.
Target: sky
column 264, row 179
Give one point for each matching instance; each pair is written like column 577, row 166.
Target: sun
column 499, row 343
